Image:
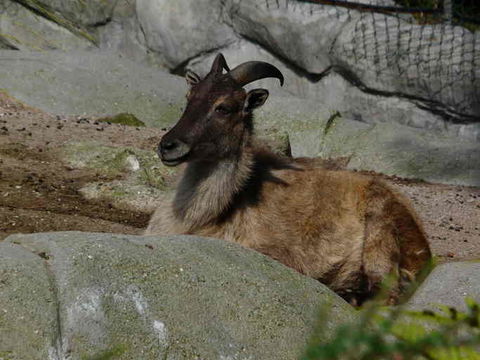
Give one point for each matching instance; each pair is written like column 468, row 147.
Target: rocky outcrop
column 449, row 284
column 28, row 316
column 383, row 55
column 123, row 35
column 386, row 148
column 85, row 13
column 335, row 93
column 92, row 83
column 178, row 30
column 370, row 67
column 22, row 29
column 427, row 63
column 102, row 295
column 300, row 32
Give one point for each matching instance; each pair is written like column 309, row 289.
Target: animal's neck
column 207, row 189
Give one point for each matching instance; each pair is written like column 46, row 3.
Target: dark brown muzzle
column 172, row 151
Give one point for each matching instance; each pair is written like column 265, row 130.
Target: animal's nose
column 169, row 145
column 166, row 147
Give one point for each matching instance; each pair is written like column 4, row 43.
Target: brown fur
column 346, row 229
column 336, row 226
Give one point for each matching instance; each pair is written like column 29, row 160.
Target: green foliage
column 399, row 334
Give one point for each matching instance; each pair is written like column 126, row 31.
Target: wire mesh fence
column 428, row 50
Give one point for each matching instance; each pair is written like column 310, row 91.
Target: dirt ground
column 39, row 193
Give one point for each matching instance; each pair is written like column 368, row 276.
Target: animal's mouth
column 175, row 161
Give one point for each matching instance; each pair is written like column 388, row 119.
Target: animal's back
column 312, row 220
column 343, row 228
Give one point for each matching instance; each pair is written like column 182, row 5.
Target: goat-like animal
column 345, row 229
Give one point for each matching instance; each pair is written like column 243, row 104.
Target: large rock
column 449, row 284
column 391, row 149
column 148, row 297
column 424, row 75
column 181, row 29
column 437, row 64
column 433, row 62
column 28, row 306
column 92, row 83
column 300, row 32
column 400, row 150
column 334, row 93
column 22, row 29
column 409, row 67
column 123, row 34
column 81, row 12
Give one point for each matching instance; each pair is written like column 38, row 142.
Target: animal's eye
column 222, row 109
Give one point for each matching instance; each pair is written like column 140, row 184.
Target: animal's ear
column 192, row 78
column 255, row 98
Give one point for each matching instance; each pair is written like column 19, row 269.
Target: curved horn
column 219, row 64
column 254, row 70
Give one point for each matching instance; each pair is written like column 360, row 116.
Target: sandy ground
column 40, row 193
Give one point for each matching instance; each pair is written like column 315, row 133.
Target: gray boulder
column 28, row 306
column 334, row 93
column 387, row 148
column 448, row 284
column 178, row 30
column 136, row 297
column 419, row 71
column 123, row 34
column 416, row 72
column 92, row 83
column 22, row 29
column 444, row 70
column 300, row 32
column 380, row 53
column 81, row 12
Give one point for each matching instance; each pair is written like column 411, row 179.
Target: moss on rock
column 123, row 119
